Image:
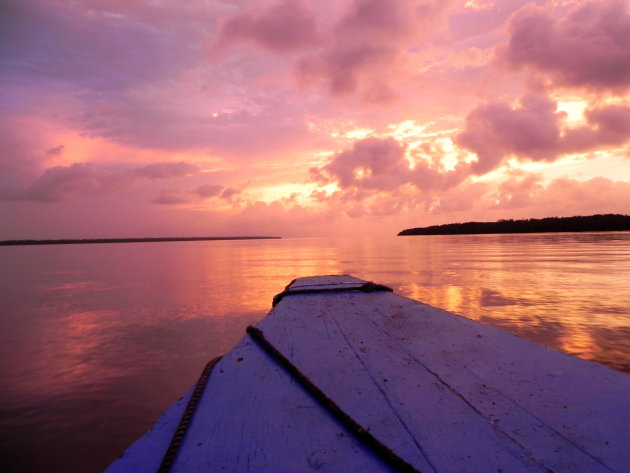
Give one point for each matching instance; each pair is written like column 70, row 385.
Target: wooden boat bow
column 444, row 393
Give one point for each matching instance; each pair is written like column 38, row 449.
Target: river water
column 97, row 340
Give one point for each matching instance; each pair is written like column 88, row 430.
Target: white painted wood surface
column 445, row 393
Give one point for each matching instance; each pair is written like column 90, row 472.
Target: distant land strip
column 592, row 223
column 129, row 240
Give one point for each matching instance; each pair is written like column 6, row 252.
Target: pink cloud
column 164, row 170
column 278, row 218
column 379, row 165
column 567, row 196
column 271, row 126
column 60, row 182
column 533, row 130
column 495, row 130
column 517, row 192
column 342, row 69
column 209, row 190
column 367, row 45
column 372, row 163
column 118, row 70
column 467, row 22
column 167, row 198
column 229, row 193
column 589, row 47
column 283, row 26
column 526, row 196
column 607, row 126
column 457, row 199
column 21, row 150
column 55, row 150
column 136, row 73
column 206, row 191
column 384, row 21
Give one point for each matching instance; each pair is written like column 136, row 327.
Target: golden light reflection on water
column 527, row 313
column 229, row 279
column 579, row 343
column 569, row 292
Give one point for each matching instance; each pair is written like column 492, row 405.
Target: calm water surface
column 97, row 340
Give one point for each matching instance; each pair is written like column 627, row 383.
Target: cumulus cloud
column 381, row 165
column 589, row 47
column 496, row 130
column 283, row 26
column 372, row 163
column 535, row 130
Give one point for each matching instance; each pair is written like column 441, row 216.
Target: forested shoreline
column 592, row 223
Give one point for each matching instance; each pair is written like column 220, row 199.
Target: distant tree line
column 592, row 223
column 126, row 240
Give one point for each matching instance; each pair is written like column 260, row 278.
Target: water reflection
column 559, row 289
column 96, row 340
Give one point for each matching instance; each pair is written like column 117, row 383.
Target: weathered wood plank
column 266, row 423
column 253, row 417
column 544, row 418
column 400, row 401
column 586, row 404
column 320, row 351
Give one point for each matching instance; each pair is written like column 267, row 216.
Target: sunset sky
column 146, row 118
